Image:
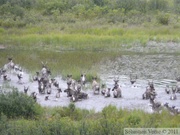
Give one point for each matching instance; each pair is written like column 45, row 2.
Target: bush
column 16, row 104
column 71, row 111
column 163, row 18
column 134, row 120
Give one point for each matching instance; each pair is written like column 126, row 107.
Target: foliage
column 17, row 13
column 161, row 5
column 163, row 18
column 21, row 3
column 177, row 6
column 16, row 104
column 110, row 121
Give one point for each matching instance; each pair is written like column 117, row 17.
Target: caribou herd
column 76, row 88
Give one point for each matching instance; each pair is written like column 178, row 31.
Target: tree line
column 22, row 12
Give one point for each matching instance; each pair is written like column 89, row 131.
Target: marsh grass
column 86, row 36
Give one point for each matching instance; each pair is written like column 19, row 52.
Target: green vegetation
column 67, row 33
column 71, row 120
column 16, row 104
column 74, row 36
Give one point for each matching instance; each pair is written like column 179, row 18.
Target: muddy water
column 162, row 66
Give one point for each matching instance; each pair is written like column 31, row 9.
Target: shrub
column 3, row 124
column 71, row 111
column 16, row 104
column 134, row 120
column 163, row 18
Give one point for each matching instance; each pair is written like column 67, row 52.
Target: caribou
column 26, row 89
column 41, row 87
column 79, row 86
column 71, row 82
column 150, row 91
column 95, row 85
column 173, row 95
column 172, row 110
column 10, row 64
column 6, row 78
column 20, row 76
column 46, row 98
column 69, row 90
column 103, row 89
column 37, row 77
column 55, row 83
column 117, row 91
column 167, row 89
column 176, row 111
column 156, row 106
column 107, row 93
column 133, row 80
column 83, row 79
column 58, row 93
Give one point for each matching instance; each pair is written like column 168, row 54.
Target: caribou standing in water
column 172, row 110
column 20, row 76
column 37, row 77
column 133, row 80
column 167, row 89
column 103, row 89
column 58, row 93
column 117, row 91
column 107, row 93
column 41, row 87
column 71, row 82
column 95, row 85
column 176, row 111
column 55, row 83
column 10, row 64
column 156, row 106
column 173, row 95
column 69, row 90
column 150, row 91
column 26, row 89
column 83, row 79
column 78, row 96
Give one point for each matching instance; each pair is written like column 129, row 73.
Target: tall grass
column 85, row 38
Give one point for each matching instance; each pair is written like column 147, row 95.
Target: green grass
column 100, row 38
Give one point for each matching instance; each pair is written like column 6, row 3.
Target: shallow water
column 162, row 67
column 131, row 94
